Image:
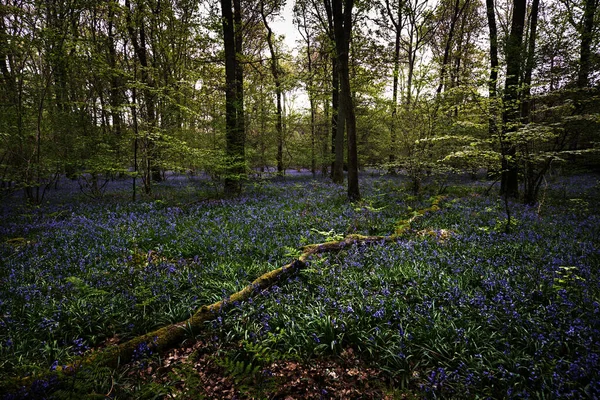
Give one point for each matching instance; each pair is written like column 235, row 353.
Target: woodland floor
column 443, row 301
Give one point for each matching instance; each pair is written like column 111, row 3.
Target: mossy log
column 166, row 338
column 170, row 336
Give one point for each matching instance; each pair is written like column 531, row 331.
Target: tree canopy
column 97, row 90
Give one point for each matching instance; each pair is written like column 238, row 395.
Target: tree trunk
column 529, row 63
column 325, row 151
column 337, row 120
column 397, row 22
column 585, row 53
column 492, row 84
column 139, row 46
column 587, row 33
column 511, row 115
column 343, row 30
column 275, row 71
column 411, row 69
column 116, row 96
column 532, row 176
column 234, row 124
column 239, row 81
column 449, row 40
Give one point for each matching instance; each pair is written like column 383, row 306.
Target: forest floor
column 454, row 301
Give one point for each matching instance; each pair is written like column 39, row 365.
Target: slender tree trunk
column 239, row 75
column 235, row 163
column 135, row 140
column 397, row 23
column 263, row 129
column 325, row 133
column 313, row 133
column 585, row 60
column 492, row 84
column 343, row 31
column 511, row 115
column 275, row 71
column 587, row 34
column 8, row 74
column 457, row 11
column 529, row 63
column 311, row 96
column 116, row 97
column 412, row 54
column 531, row 177
column 137, row 35
column 337, row 120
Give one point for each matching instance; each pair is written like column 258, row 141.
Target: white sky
column 297, row 99
column 284, row 25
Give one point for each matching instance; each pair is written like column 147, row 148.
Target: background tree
column 234, row 95
column 99, row 91
column 510, row 114
column 394, row 12
column 277, row 77
column 342, row 22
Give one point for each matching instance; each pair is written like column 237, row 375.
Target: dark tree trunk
column 492, row 84
column 325, row 151
column 337, row 120
column 342, row 21
column 234, row 136
column 533, row 175
column 397, row 22
column 587, row 33
column 239, row 81
column 529, row 64
column 585, row 53
column 276, row 72
column 449, row 40
column 7, row 73
column 116, row 95
column 138, row 40
column 337, row 140
column 511, row 115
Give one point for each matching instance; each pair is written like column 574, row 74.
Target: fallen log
column 168, row 337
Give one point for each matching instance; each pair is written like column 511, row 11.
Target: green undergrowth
column 457, row 309
column 453, row 306
column 81, row 274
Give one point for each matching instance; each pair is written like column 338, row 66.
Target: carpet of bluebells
column 458, row 308
column 455, row 307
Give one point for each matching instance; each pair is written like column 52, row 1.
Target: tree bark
column 585, row 51
column 397, row 23
column 234, row 124
column 275, row 71
column 342, row 22
column 531, row 175
column 239, row 80
column 511, row 115
column 138, row 40
column 449, row 40
column 529, row 63
column 116, row 95
column 492, row 84
column 337, row 140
